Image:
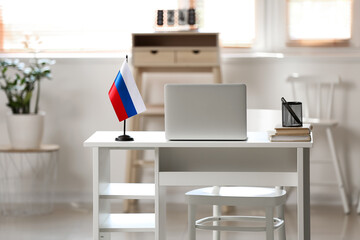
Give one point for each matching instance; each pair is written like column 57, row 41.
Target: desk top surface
column 155, row 139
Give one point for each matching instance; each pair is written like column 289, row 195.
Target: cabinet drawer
column 153, row 57
column 197, row 56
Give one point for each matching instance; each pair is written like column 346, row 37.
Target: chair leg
column 269, row 223
column 280, row 210
column 281, row 214
column 338, row 173
column 216, row 212
column 191, row 221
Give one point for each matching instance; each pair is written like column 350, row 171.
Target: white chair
column 316, row 93
column 264, row 198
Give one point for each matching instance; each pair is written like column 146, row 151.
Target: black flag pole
column 124, row 137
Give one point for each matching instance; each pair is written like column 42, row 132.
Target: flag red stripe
column 117, row 103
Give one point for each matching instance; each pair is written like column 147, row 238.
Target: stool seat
column 249, row 196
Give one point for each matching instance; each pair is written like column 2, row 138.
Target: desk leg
column 101, row 179
column 303, row 193
column 160, row 203
column 160, row 213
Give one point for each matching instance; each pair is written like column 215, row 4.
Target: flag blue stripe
column 124, row 95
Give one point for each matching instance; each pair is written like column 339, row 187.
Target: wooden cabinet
column 176, row 49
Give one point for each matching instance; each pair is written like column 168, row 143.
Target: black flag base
column 124, row 138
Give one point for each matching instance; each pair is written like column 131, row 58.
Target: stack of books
column 292, row 134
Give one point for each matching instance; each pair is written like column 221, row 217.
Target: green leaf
column 28, row 97
column 4, row 70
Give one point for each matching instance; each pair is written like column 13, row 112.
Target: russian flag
column 124, row 95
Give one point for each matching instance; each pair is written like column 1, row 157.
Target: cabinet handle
column 196, row 51
column 154, row 51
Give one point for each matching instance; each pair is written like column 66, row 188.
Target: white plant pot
column 25, row 130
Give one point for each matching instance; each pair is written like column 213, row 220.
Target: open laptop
column 205, row 112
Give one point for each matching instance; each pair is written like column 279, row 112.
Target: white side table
column 27, row 180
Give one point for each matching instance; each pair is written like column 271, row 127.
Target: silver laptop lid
column 205, row 112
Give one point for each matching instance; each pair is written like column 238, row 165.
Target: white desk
column 255, row 162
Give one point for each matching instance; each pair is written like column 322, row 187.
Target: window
column 319, row 22
column 75, row 25
column 233, row 19
column 106, row 26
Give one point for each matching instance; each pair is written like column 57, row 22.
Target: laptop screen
column 205, row 112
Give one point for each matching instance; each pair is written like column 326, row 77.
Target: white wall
column 77, row 105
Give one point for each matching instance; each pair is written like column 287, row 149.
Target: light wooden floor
column 74, row 222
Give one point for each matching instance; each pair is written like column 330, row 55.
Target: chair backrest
column 316, row 92
column 262, row 119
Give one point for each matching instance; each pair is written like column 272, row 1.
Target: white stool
column 266, row 198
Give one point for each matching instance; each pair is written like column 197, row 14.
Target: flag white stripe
column 132, row 88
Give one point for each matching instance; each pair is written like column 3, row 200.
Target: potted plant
column 18, row 80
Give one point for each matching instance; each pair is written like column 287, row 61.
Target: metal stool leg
column 338, row 173
column 216, row 212
column 281, row 215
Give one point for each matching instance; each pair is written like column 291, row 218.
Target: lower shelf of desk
column 227, row 178
column 129, row 222
column 128, row 191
